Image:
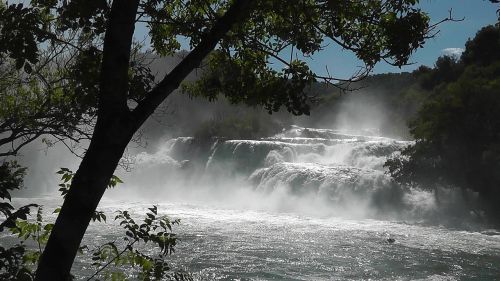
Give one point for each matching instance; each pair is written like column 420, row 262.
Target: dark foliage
column 457, row 130
column 12, row 259
column 11, row 178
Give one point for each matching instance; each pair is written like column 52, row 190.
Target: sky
column 453, row 35
column 450, row 39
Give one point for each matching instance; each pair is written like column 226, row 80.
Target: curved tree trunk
column 112, row 133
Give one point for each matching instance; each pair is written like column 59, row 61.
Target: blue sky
column 452, row 35
column 476, row 14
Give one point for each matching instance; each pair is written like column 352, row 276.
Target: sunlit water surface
column 232, row 244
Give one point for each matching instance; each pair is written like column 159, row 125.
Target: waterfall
column 330, row 170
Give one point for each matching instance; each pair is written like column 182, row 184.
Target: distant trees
column 457, row 130
column 248, row 125
column 483, row 49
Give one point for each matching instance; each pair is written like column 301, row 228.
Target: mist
column 332, row 164
column 361, row 113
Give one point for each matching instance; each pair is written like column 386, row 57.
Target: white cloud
column 455, row 52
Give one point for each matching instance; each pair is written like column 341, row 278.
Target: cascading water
column 342, row 174
column 306, row 204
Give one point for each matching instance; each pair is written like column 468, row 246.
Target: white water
column 308, row 204
column 312, row 171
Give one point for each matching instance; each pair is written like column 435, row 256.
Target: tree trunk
column 86, row 190
column 114, row 129
column 112, row 133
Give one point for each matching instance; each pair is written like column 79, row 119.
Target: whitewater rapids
column 306, row 204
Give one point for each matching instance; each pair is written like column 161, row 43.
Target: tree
column 456, row 129
column 484, row 48
column 31, row 108
column 39, row 91
column 49, row 72
column 240, row 42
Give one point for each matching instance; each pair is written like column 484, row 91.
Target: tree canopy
column 266, row 51
column 42, row 81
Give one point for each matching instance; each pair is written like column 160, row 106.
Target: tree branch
column 171, row 81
